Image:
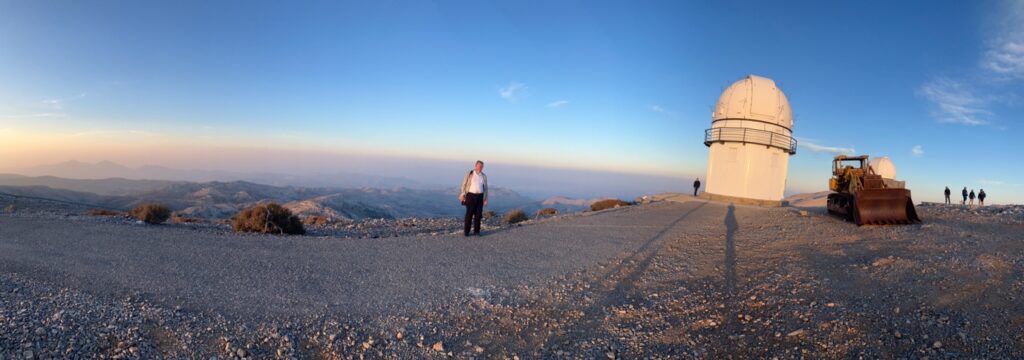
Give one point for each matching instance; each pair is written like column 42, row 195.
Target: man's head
column 479, row 166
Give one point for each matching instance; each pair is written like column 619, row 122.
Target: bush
column 318, row 220
column 10, row 209
column 104, row 212
column 547, row 212
column 269, row 219
column 489, row 214
column 515, row 216
column 178, row 219
column 151, row 213
column 607, row 204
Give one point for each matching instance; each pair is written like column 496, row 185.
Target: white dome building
column 883, row 166
column 750, row 141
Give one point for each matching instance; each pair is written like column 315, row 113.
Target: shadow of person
column 731, row 226
column 730, row 325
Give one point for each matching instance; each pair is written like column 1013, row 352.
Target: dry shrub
column 547, row 212
column 607, row 204
column 318, row 220
column 151, row 213
column 10, row 209
column 489, row 214
column 178, row 219
column 269, row 218
column 514, row 216
column 104, row 212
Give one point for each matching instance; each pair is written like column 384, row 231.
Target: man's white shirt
column 476, row 183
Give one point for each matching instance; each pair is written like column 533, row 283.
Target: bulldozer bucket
column 884, row 207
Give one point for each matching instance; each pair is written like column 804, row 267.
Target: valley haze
column 382, row 172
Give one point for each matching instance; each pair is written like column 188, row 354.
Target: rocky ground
column 362, row 228
column 660, row 280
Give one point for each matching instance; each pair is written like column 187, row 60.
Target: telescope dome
column 883, row 166
column 754, row 98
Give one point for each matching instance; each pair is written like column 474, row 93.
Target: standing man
column 965, row 196
column 473, row 195
column 947, row 195
column 981, row 197
column 972, row 197
column 696, row 185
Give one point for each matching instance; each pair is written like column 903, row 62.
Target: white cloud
column 513, row 92
column 1004, row 55
column 34, row 115
column 997, row 183
column 917, row 150
column 826, row 149
column 47, row 115
column 55, row 104
column 108, row 132
column 953, row 102
column 660, row 109
column 559, row 103
column 58, row 104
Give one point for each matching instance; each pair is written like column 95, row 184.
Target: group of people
column 969, row 196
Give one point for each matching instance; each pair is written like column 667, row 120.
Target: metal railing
column 750, row 136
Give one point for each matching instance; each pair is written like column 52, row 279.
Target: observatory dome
column 883, row 166
column 754, row 98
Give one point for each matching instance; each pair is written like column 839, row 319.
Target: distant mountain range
column 342, row 171
column 222, row 199
column 106, row 170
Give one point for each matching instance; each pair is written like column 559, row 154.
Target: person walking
column 473, row 195
column 972, row 197
column 981, row 197
column 947, row 195
column 965, row 196
column 696, row 185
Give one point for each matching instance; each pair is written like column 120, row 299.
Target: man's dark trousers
column 474, row 211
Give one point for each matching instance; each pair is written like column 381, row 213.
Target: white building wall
column 747, row 170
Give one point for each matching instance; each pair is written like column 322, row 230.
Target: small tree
column 151, row 213
column 269, row 218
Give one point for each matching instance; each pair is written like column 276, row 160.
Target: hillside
column 106, row 186
column 218, row 200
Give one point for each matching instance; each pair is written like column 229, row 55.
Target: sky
column 623, row 87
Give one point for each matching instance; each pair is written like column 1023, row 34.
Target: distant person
column 696, row 186
column 972, row 197
column 965, row 196
column 947, row 195
column 981, row 197
column 473, row 195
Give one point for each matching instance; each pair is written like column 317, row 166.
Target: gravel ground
column 363, row 228
column 660, row 280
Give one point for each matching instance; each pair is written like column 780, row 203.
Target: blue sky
column 615, row 86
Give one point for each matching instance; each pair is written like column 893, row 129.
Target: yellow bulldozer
column 864, row 197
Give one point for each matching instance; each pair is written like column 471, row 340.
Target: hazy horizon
column 536, row 182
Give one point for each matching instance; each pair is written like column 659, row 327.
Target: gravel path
column 660, row 280
column 256, row 275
